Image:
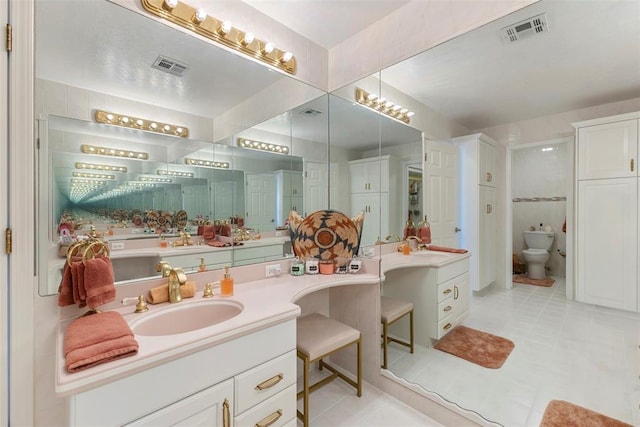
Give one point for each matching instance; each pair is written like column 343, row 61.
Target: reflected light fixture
column 221, row 31
column 138, row 123
column 178, row 174
column 381, row 105
column 154, row 179
column 206, row 163
column 97, row 167
column 93, row 175
column 116, row 152
column 263, row 146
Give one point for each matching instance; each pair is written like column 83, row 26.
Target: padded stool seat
column 318, row 337
column 392, row 309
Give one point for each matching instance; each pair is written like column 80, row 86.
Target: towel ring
column 74, row 250
column 95, row 248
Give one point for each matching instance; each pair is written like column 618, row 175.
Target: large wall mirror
column 474, row 84
column 177, row 182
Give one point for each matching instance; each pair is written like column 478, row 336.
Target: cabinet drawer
column 446, row 325
column 274, row 412
column 445, row 308
column 445, row 291
column 264, row 381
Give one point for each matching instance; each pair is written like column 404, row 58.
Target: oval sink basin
column 178, row 319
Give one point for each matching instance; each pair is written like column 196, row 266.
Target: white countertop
column 266, row 302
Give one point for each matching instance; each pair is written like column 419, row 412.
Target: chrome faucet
column 177, row 278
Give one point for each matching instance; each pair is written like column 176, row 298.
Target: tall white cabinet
column 607, row 216
column 477, row 202
column 374, row 184
column 289, row 197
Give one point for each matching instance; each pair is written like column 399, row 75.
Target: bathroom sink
column 186, row 317
column 433, row 256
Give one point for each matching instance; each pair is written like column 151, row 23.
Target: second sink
column 186, row 317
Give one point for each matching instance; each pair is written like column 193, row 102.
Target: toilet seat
column 534, row 252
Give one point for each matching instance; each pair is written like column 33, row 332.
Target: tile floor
column 564, row 350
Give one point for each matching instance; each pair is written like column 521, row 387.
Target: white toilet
column 537, row 254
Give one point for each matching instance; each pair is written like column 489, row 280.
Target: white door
column 223, row 194
column 608, row 151
column 607, row 256
column 486, row 237
column 261, row 201
column 440, row 172
column 4, row 281
column 315, row 187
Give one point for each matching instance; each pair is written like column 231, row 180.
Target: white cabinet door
column 210, row 407
column 315, row 187
column 608, row 246
column 608, row 150
column 486, row 164
column 486, row 256
column 369, row 175
column 261, row 201
column 376, row 219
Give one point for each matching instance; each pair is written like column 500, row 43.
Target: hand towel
column 209, row 232
column 445, row 249
column 77, row 279
column 160, row 294
column 99, row 281
column 65, row 290
column 96, row 339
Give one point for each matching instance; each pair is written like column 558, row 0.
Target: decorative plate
column 325, row 234
column 180, row 219
column 152, row 219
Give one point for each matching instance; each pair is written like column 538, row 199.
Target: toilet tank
column 539, row 239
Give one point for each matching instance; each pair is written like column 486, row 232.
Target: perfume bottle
column 226, row 284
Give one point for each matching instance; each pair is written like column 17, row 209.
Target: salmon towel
column 97, row 338
column 98, row 281
column 446, row 249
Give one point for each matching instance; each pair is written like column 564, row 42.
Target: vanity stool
column 392, row 309
column 318, row 337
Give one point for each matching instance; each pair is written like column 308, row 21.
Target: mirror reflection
column 485, row 91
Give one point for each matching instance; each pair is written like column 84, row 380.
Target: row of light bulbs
column 206, row 163
column 383, row 106
column 116, row 152
column 127, row 121
column 262, row 146
column 221, row 31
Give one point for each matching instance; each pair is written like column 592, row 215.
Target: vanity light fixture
column 221, row 31
column 93, row 175
column 383, row 106
column 87, row 182
column 107, row 168
column 263, row 146
column 116, row 152
column 206, row 163
column 178, row 174
column 154, row 179
column 138, row 123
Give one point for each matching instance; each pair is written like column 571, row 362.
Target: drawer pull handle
column 270, row 382
column 447, row 326
column 447, row 291
column 456, row 292
column 226, row 414
column 269, row 419
column 447, row 308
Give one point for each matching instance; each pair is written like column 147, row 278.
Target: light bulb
column 225, row 27
column 286, row 57
column 268, row 48
column 248, row 38
column 410, row 114
column 200, row 16
column 170, row 4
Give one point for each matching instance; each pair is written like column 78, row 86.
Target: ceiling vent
column 169, row 65
column 310, row 112
column 525, row 29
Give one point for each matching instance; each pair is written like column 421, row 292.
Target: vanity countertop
column 266, row 302
column 426, row 258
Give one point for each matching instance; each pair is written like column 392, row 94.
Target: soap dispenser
column 424, row 231
column 202, row 267
column 226, row 284
column 409, row 229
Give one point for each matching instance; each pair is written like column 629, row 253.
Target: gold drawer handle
column 632, row 165
column 447, row 308
column 269, row 419
column 447, row 292
column 270, row 382
column 226, row 414
column 447, row 326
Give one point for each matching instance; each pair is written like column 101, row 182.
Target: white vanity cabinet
column 373, row 182
column 478, row 206
column 607, row 218
column 440, row 296
column 245, row 381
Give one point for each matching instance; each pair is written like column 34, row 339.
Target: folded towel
column 96, row 339
column 160, row 294
column 99, row 281
column 209, row 232
column 65, row 290
column 218, row 243
column 223, row 230
column 445, row 249
column 77, row 279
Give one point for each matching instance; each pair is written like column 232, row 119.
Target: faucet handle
column 141, row 305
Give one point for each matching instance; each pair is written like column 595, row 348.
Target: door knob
column 457, row 230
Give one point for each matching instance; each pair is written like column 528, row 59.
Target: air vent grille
column 310, row 112
column 529, row 27
column 169, row 65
